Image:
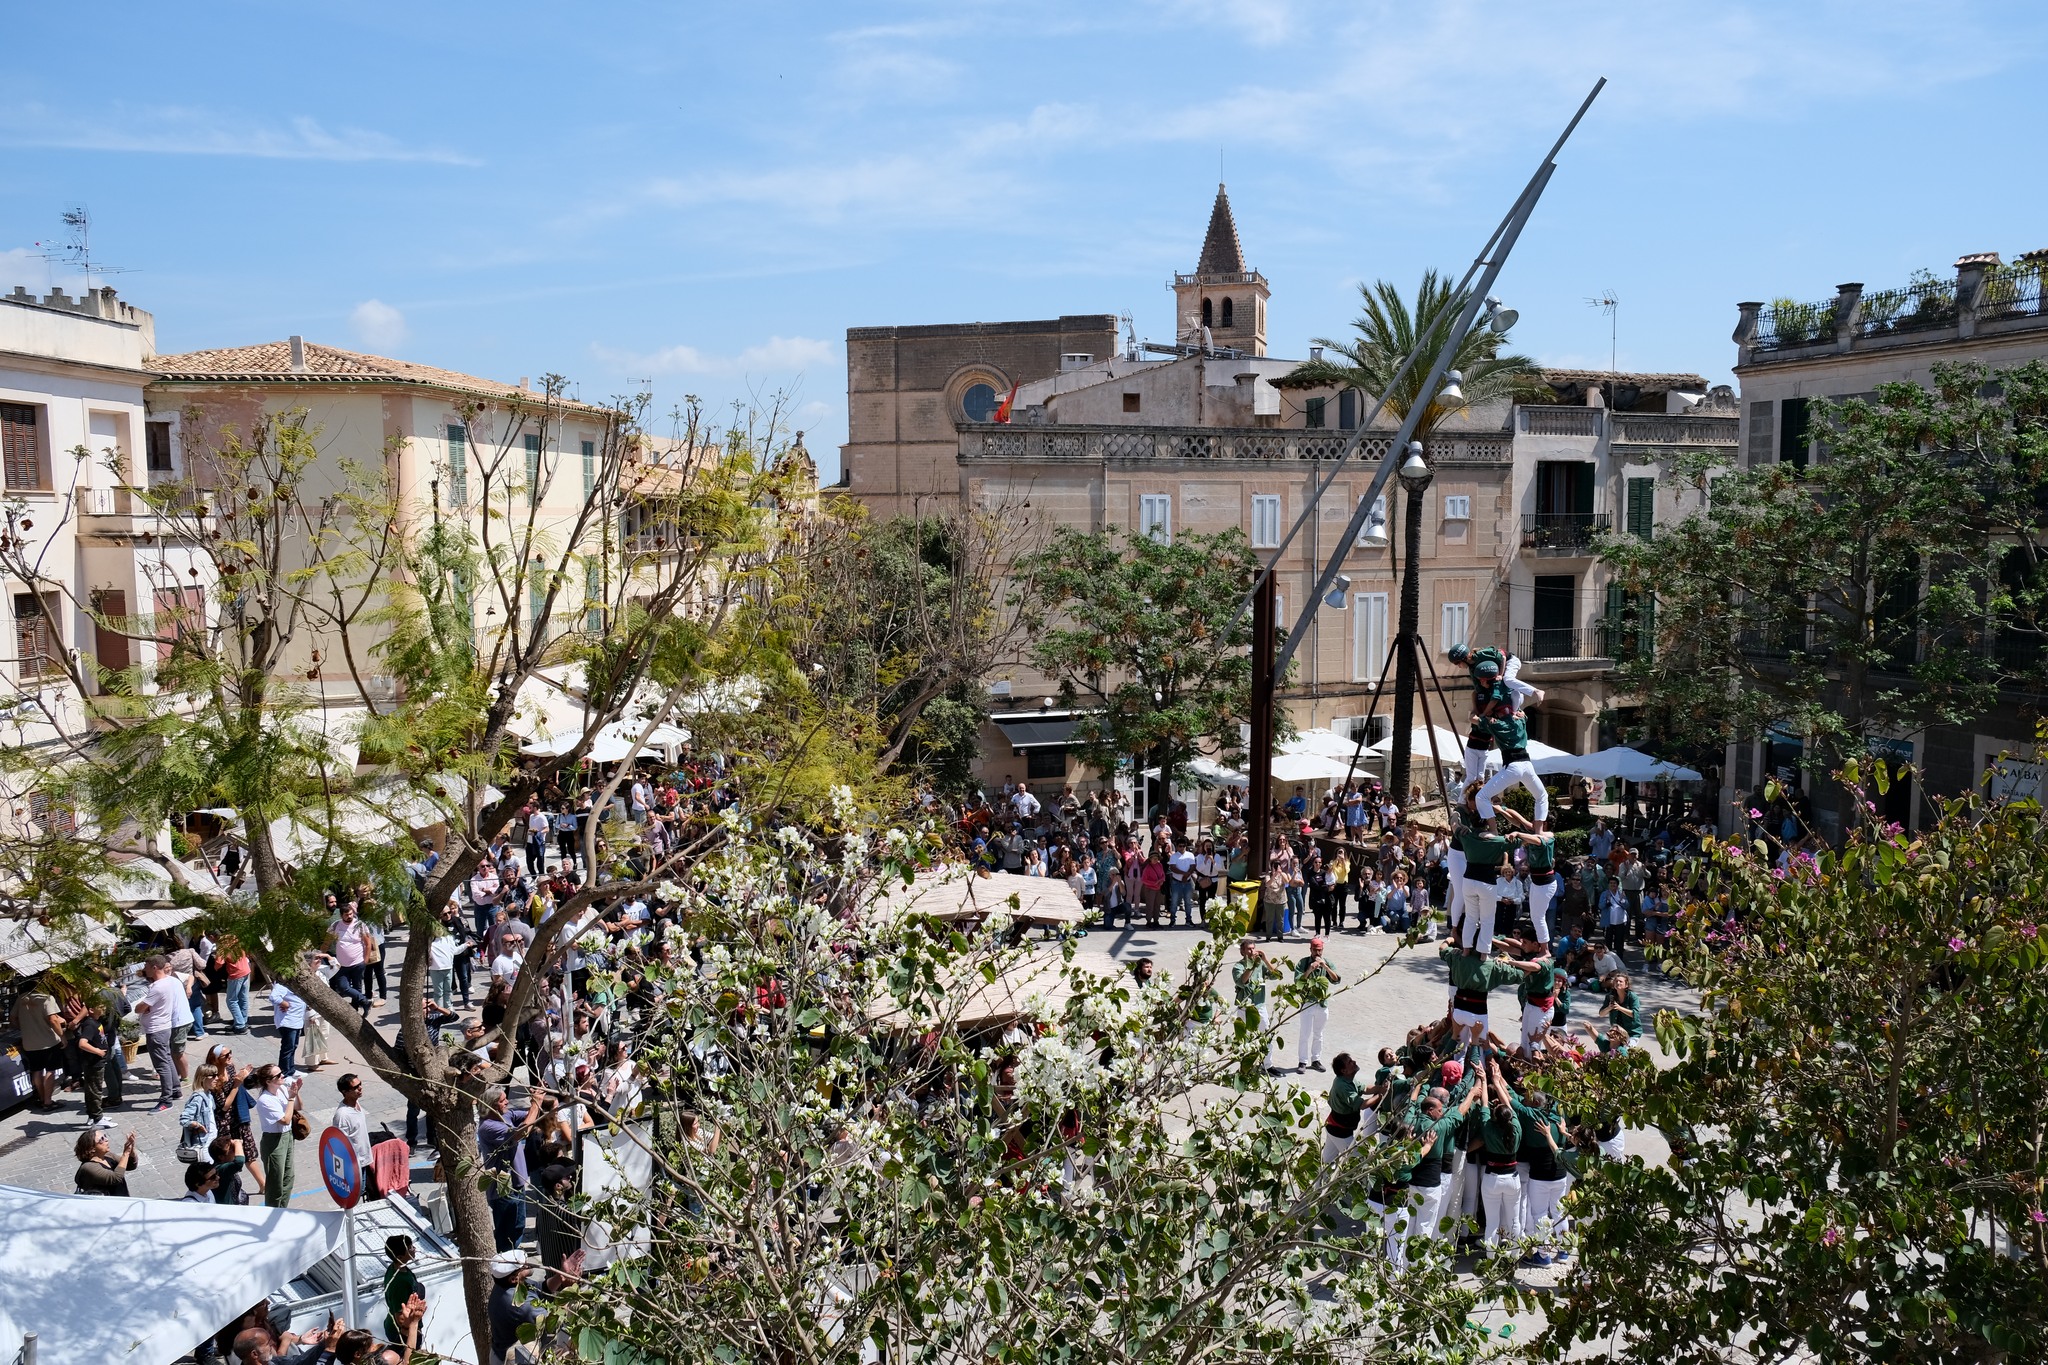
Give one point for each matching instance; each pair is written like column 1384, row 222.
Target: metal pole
column 1524, row 203
column 1259, row 793
column 1407, row 675
column 349, row 1311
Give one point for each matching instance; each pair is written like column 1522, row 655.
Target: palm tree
column 1388, row 332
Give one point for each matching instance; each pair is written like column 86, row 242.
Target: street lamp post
column 1415, row 477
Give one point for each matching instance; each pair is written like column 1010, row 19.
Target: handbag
column 187, row 1153
column 302, row 1128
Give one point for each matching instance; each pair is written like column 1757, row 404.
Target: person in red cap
column 1313, row 977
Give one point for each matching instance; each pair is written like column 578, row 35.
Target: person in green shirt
column 1540, row 850
column 400, row 1283
column 1253, row 970
column 1347, row 1108
column 1473, row 977
column 1434, row 1121
column 1313, row 977
column 1620, row 1006
column 1510, row 731
column 1538, row 992
column 1486, row 855
column 1500, row 1185
column 1544, row 1146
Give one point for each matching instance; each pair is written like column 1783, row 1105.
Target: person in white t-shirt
column 288, row 1017
column 1180, row 884
column 159, row 1009
column 1024, row 803
column 354, row 1122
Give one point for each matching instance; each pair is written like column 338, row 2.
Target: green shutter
column 533, row 471
column 589, row 468
column 537, row 594
column 458, row 466
column 593, row 594
column 1642, row 508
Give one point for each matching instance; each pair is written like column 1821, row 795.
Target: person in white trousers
column 1539, row 848
column 1494, row 680
column 1544, row 1175
column 1486, row 855
column 1511, row 732
column 1313, row 977
column 1437, row 1127
column 1500, row 1190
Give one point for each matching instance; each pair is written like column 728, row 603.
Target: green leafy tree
column 844, row 1163
column 1859, row 596
column 309, row 575
column 894, row 623
column 1144, row 637
column 1856, row 1114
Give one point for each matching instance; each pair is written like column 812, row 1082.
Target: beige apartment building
column 1204, row 434
column 1789, row 353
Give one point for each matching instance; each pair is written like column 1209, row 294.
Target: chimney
column 298, row 345
column 1315, row 353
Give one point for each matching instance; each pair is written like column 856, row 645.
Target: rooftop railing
column 989, row 441
column 1786, row 323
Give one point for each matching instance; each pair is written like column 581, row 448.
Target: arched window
column 1206, row 319
column 1228, row 320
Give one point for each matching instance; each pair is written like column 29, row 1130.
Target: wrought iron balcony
column 1560, row 642
column 1563, row 533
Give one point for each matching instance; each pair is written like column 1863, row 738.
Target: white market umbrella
column 1630, row 765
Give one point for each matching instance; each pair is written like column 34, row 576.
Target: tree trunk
column 428, row 1084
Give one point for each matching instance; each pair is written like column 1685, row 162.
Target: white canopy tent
column 958, row 895
column 109, row 1281
column 613, row 742
column 1630, row 765
column 1209, row 773
column 1449, row 747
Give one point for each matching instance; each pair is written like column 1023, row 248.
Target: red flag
column 1003, row 409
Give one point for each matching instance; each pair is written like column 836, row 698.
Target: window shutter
column 533, row 471
column 458, row 466
column 589, row 468
column 21, row 447
column 1314, row 412
column 1642, row 508
column 593, row 595
column 1763, row 436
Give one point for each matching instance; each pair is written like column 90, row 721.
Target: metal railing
column 992, row 442
column 1916, row 307
column 1789, row 323
column 1563, row 533
column 1545, row 420
column 1560, row 642
column 2010, row 291
column 1650, row 429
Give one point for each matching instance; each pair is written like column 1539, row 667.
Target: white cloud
column 378, row 324
column 175, row 130
column 776, row 355
column 23, row 265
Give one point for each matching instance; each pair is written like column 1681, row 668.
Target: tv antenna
column 75, row 250
column 1611, row 306
column 1130, row 333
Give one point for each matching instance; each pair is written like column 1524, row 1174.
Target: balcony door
column 1564, row 488
column 1556, row 618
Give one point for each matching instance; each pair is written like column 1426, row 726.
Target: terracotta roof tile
column 272, row 361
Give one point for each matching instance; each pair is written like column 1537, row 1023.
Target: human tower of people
column 1489, row 1150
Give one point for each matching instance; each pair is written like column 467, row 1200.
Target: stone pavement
column 36, row 1149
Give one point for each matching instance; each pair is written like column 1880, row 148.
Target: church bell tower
column 1222, row 296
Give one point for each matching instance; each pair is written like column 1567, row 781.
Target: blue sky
column 707, row 196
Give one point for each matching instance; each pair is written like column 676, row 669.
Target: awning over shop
column 1037, row 730
column 110, row 1281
